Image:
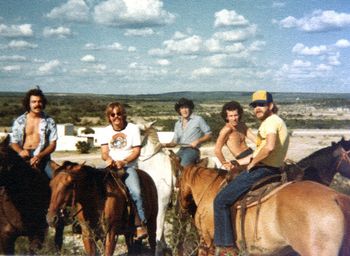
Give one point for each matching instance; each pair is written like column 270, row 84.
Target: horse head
column 63, row 190
column 342, row 153
column 150, row 142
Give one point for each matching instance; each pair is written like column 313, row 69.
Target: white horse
column 155, row 161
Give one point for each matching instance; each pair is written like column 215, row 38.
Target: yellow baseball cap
column 261, row 96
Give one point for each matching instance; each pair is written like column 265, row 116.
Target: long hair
column 231, row 106
column 113, row 105
column 33, row 92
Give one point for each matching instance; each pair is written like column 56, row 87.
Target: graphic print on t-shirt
column 118, row 141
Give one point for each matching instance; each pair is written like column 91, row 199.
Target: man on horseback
column 120, row 148
column 271, row 149
column 190, row 132
column 34, row 134
column 233, row 135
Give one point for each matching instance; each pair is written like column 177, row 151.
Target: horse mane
column 320, row 156
column 85, row 173
column 195, row 171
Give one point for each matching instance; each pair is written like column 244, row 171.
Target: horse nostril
column 52, row 221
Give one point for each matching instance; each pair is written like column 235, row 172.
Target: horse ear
column 152, row 123
column 77, row 167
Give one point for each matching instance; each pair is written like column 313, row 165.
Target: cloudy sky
column 153, row 46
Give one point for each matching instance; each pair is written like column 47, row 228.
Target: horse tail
column 344, row 203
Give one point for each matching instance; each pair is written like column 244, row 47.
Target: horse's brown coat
column 306, row 216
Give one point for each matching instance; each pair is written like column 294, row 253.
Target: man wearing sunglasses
column 271, row 149
column 120, row 148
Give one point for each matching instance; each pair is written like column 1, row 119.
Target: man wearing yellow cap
column 271, row 149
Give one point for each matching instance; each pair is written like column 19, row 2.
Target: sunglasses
column 254, row 105
column 116, row 114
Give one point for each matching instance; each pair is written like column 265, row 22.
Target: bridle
column 62, row 210
column 344, row 156
column 143, row 143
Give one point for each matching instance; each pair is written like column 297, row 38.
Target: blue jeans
column 188, row 155
column 133, row 184
column 223, row 233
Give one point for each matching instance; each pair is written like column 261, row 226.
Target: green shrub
column 83, row 147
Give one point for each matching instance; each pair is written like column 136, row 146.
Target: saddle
column 260, row 192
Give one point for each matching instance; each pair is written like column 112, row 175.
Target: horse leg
column 7, row 245
column 152, row 228
column 59, row 234
column 110, row 242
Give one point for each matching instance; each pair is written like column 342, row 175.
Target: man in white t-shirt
column 120, row 148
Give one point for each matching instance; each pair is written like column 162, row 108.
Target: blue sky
column 152, row 46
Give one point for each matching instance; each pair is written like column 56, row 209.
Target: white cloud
column 113, row 47
column 21, row 44
column 179, row 35
column 323, row 67
column 213, row 45
column 131, row 49
column 163, row 62
column 24, row 30
column 334, row 59
column 318, row 21
column 229, row 18
column 342, row 43
column 202, row 72
column 88, row 58
column 136, row 13
column 301, row 63
column 158, row 52
column 49, row 67
column 278, row 4
column 14, row 58
column 61, row 32
column 12, row 68
column 73, row 10
column 311, row 51
column 237, row 34
column 139, row 32
column 189, row 45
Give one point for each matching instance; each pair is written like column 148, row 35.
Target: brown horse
column 24, row 199
column 100, row 205
column 303, row 217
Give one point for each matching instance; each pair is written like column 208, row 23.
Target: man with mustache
column 271, row 148
column 34, row 134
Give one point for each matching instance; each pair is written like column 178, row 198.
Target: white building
column 66, row 138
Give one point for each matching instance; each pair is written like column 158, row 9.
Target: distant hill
column 199, row 96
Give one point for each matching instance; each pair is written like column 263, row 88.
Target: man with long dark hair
column 34, row 134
